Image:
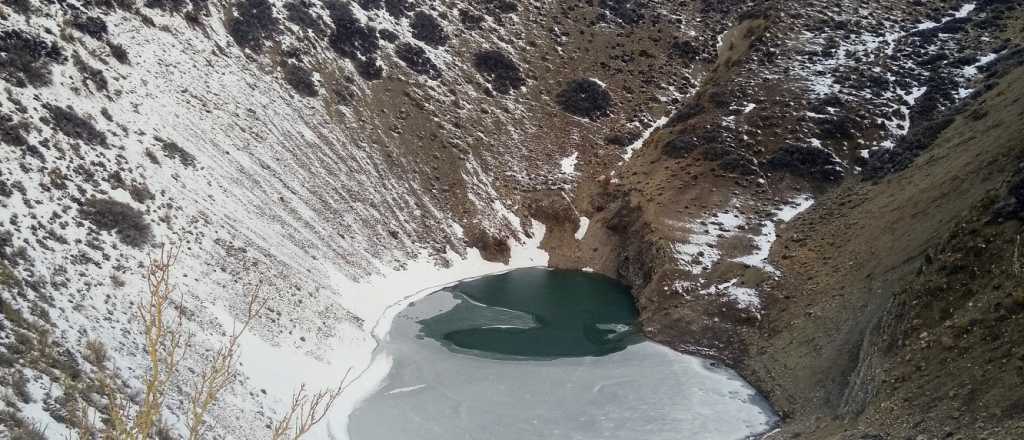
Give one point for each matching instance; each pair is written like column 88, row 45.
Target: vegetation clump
column 397, row 8
column 1012, row 205
column 585, row 98
column 807, row 161
column 8, row 278
column 680, row 146
column 500, row 70
column 370, row 69
column 90, row 25
column 300, row 78
column 23, row 7
column 885, row 161
column 128, row 223
column 300, row 13
column 26, row 59
column 90, row 74
column 686, row 50
column 12, row 131
column 416, row 59
column 118, row 52
column 174, row 151
column 71, row 124
column 496, row 8
column 471, row 20
column 167, row 5
column 428, row 29
column 371, row 5
column 351, row 39
column 254, row 23
column 629, row 12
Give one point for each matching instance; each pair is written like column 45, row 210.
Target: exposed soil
column 899, row 316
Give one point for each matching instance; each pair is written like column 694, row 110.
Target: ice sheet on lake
column 646, row 391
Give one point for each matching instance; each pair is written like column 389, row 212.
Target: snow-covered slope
column 350, row 154
column 254, row 181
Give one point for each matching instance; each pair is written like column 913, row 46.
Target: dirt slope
column 900, row 312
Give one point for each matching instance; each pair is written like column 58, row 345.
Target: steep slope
column 351, row 154
column 820, row 326
column 900, row 315
column 346, row 154
column 798, row 100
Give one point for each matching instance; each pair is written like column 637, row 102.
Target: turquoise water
column 562, row 314
column 545, row 354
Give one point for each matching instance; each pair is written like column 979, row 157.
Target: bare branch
column 306, row 411
column 222, row 371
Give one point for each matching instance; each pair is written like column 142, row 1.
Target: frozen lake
column 543, row 354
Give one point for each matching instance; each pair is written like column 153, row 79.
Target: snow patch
column 763, row 242
column 568, row 164
column 961, row 13
column 643, row 138
column 699, row 253
column 582, row 230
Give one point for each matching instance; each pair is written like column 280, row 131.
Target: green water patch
column 537, row 314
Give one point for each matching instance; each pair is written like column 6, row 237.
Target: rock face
column 317, row 144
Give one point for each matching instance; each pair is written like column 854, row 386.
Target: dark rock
column 388, row 35
column 739, row 164
column 492, row 248
column 371, row 5
column 841, row 127
column 686, row 113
